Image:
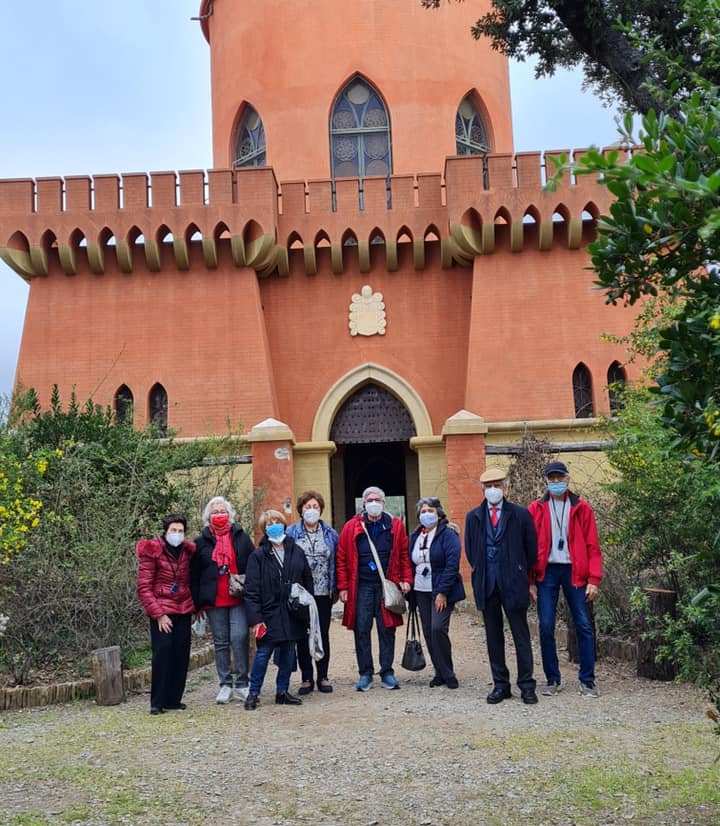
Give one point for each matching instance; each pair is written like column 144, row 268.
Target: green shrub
column 72, row 586
column 663, row 522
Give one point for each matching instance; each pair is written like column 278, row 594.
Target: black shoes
column 154, row 710
column 178, row 707
column 287, row 699
column 452, row 683
column 498, row 694
column 529, row 697
column 324, row 687
column 436, row 681
column 307, row 689
column 252, row 701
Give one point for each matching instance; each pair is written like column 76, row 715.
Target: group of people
column 517, row 555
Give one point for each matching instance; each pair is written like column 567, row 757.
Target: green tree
column 662, row 238
column 624, row 47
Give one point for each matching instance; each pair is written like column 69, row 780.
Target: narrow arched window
column 582, row 392
column 250, row 140
column 124, row 402
column 158, row 404
column 616, row 379
column 471, row 136
column 359, row 132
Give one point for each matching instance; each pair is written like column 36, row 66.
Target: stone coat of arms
column 367, row 313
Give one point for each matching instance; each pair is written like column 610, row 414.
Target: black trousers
column 436, row 627
column 170, row 660
column 495, row 635
column 324, row 604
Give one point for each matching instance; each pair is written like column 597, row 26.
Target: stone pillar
column 312, row 471
column 271, row 444
column 432, row 467
column 464, row 436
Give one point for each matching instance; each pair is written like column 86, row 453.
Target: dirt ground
column 641, row 753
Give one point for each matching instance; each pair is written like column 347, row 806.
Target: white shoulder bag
column 392, row 596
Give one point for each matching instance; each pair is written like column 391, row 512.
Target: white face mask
column 311, row 516
column 175, row 539
column 494, row 495
column 374, row 508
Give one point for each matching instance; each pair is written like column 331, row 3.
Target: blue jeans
column 285, row 658
column 369, row 603
column 230, row 633
column 558, row 575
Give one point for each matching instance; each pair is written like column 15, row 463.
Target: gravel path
column 642, row 753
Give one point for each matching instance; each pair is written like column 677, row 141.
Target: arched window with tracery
column 617, row 379
column 360, row 142
column 582, row 392
column 250, row 140
column 158, row 407
column 123, row 404
column 471, row 136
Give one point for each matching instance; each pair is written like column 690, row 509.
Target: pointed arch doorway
column 372, row 431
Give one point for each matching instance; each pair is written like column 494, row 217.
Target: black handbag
column 413, row 657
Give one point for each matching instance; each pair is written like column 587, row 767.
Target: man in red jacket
column 569, row 557
column 360, row 586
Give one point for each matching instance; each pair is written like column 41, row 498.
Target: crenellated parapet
column 165, row 220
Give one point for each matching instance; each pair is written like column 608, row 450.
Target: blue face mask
column 557, row 488
column 275, row 532
column 428, row 520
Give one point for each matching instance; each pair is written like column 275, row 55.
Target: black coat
column 267, row 591
column 444, row 563
column 204, row 570
column 517, row 555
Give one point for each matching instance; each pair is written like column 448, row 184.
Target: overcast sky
column 89, row 87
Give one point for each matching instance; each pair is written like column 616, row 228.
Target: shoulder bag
column 393, row 598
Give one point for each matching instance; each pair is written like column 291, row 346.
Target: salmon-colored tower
column 291, row 66
column 369, row 281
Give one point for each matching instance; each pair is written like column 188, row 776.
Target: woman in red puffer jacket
column 163, row 587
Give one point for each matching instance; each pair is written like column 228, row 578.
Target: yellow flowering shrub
column 19, row 509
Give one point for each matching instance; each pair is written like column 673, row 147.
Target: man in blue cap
column 568, row 557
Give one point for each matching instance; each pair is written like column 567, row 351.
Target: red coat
column 585, row 554
column 346, row 566
column 157, row 571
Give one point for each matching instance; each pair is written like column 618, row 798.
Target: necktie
column 494, row 516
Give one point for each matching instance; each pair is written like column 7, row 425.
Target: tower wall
column 289, row 59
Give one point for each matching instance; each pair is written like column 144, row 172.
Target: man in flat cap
column 501, row 547
column 569, row 557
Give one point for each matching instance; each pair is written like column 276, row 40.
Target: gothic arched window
column 359, row 132
column 582, row 392
column 616, row 379
column 470, row 133
column 124, row 402
column 158, row 404
column 250, row 140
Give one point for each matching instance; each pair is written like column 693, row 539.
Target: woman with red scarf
column 223, row 549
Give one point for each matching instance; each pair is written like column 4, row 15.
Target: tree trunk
column 108, row 676
column 661, row 603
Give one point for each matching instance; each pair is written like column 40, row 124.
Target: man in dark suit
column 501, row 546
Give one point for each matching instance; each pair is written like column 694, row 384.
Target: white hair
column 376, row 491
column 218, row 500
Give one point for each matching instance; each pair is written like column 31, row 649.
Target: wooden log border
column 135, row 680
